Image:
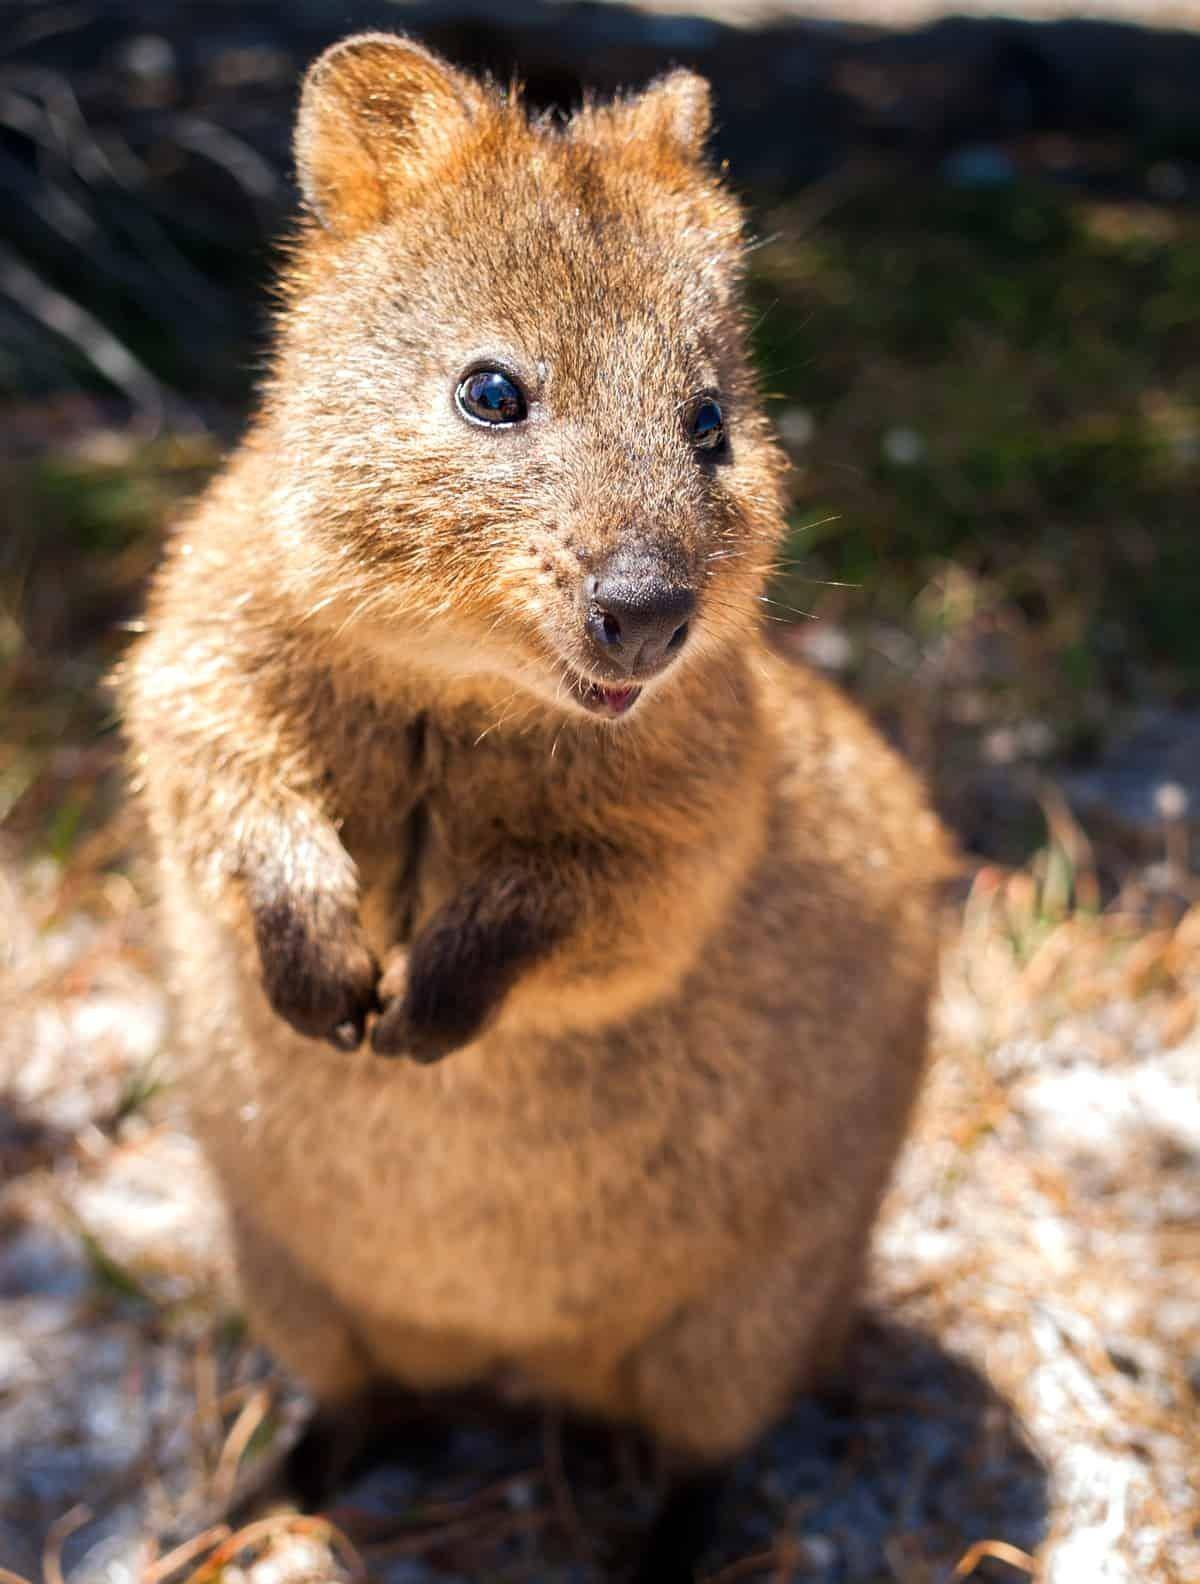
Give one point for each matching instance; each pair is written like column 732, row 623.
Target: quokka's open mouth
column 611, row 702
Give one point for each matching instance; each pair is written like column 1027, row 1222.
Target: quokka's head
column 511, row 396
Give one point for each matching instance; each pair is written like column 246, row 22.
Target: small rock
column 1149, row 776
column 903, row 447
column 817, row 1552
column 978, row 166
column 796, row 426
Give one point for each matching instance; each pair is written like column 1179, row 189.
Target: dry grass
column 1047, row 1219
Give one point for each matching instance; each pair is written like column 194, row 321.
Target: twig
column 495, row 1525
column 789, row 1551
column 1001, row 1551
column 430, row 1513
column 184, row 1553
column 789, row 1556
column 268, row 1529
column 208, row 1417
column 89, row 337
column 256, row 176
column 238, row 1439
column 60, row 1532
column 745, row 1566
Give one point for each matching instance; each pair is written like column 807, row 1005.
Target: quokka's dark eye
column 705, row 424
column 491, row 397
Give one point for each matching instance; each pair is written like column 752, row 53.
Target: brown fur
column 681, row 960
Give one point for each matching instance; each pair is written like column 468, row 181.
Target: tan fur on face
column 644, row 1178
column 492, row 531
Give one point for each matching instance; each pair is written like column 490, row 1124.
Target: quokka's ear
column 675, row 109
column 376, row 112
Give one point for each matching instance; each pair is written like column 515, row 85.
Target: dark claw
column 318, row 971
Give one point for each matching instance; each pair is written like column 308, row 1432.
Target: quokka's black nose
column 638, row 611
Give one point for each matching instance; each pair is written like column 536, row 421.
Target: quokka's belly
column 479, row 1195
column 536, row 1191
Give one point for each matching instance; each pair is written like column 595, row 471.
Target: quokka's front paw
column 424, row 1026
column 318, row 971
column 459, row 969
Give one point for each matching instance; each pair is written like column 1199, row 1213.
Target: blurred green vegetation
column 1006, row 381
column 80, row 526
column 992, row 401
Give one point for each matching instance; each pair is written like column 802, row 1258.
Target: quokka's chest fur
column 428, row 789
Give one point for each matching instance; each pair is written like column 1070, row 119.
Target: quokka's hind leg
column 378, row 1385
column 297, row 1317
column 719, row 1374
column 304, row 1327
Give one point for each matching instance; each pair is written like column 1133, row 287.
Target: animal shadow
column 897, row 1479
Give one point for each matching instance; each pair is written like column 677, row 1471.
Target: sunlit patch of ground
column 1046, row 1220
